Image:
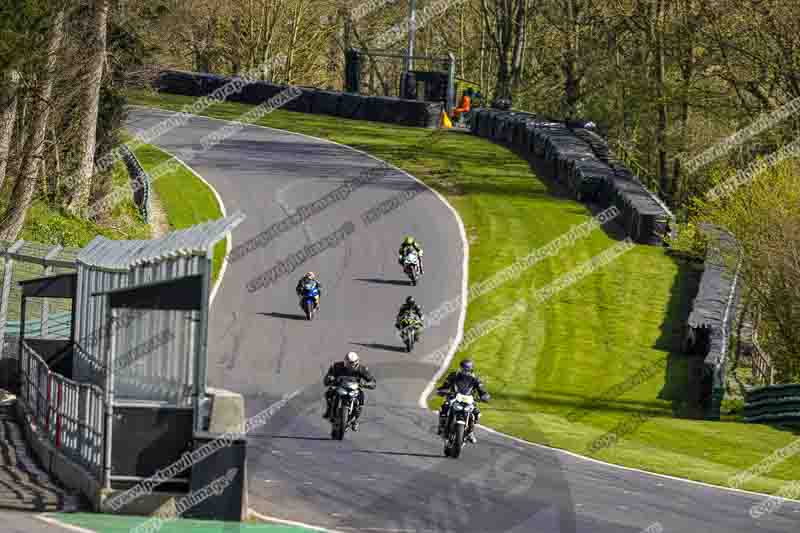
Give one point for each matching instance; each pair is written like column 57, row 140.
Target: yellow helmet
column 409, row 240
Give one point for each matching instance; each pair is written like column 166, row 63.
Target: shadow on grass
column 683, row 374
column 545, row 172
column 581, row 402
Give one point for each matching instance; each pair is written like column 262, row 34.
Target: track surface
column 391, row 475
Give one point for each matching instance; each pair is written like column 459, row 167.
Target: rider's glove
column 485, row 397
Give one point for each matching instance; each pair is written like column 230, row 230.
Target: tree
column 78, row 198
column 25, row 185
column 505, row 22
column 8, row 114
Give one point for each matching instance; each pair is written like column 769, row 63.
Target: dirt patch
column 159, row 226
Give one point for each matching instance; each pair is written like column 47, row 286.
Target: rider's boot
column 327, row 414
column 470, row 436
column 356, row 416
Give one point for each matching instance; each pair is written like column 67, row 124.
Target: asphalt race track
column 391, row 476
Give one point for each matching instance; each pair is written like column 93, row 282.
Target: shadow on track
column 284, row 315
column 385, row 281
column 379, row 346
column 405, row 454
column 294, row 437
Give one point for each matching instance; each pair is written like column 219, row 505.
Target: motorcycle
column 310, row 299
column 409, row 327
column 411, row 266
column 344, row 402
column 459, row 417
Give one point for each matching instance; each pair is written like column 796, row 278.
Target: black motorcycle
column 344, row 401
column 410, row 325
column 459, row 418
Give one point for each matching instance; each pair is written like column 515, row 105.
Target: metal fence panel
column 62, row 411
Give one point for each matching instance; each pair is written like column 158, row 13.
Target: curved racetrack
column 390, row 476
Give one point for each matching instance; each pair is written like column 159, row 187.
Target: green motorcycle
column 409, row 326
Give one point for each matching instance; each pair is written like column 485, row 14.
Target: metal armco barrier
column 140, row 182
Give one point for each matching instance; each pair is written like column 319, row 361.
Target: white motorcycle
column 411, row 266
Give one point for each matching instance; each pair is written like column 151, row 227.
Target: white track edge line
column 222, row 270
column 56, row 522
column 459, row 333
column 268, row 518
column 465, row 246
column 638, row 470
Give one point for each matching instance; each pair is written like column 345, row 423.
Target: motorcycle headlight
column 457, row 407
column 353, row 393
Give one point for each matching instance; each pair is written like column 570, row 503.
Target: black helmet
column 410, row 300
column 467, row 367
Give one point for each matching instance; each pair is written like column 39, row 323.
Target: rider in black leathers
column 463, row 379
column 412, row 306
column 350, row 367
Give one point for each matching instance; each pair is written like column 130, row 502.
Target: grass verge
column 186, row 200
column 585, row 339
column 47, row 224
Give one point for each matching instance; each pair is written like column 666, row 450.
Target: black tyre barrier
column 310, row 100
column 302, row 103
column 326, row 102
column 773, row 404
column 353, row 106
column 581, row 161
column 714, row 311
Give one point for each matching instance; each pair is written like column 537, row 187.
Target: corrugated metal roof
column 121, row 255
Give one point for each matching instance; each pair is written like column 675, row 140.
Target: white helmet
column 351, row 360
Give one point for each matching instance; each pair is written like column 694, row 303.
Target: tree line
column 664, row 80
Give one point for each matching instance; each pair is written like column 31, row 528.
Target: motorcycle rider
column 350, row 367
column 409, row 241
column 410, row 306
column 465, row 377
column 309, row 276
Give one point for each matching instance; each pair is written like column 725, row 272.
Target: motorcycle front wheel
column 458, row 441
column 341, row 423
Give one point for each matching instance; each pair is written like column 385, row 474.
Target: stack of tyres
column 326, row 102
